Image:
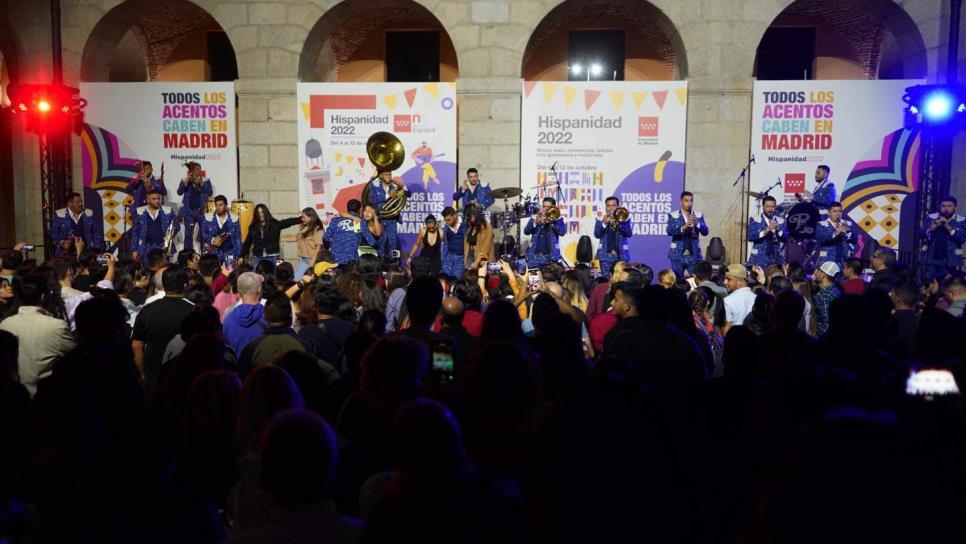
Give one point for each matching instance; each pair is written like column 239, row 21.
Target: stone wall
column 718, row 39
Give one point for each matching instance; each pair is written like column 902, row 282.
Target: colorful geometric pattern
column 874, row 192
column 107, row 173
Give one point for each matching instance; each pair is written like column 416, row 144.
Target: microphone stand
column 743, row 178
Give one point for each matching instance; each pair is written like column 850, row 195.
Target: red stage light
column 43, row 106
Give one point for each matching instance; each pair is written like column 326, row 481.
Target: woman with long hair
column 309, row 240
column 478, row 244
column 263, row 235
column 370, row 220
column 428, row 243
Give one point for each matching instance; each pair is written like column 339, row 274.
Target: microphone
column 553, row 168
column 752, row 158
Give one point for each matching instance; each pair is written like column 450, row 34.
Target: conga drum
column 244, row 210
column 210, row 206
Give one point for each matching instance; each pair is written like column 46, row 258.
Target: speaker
column 585, row 249
column 715, row 253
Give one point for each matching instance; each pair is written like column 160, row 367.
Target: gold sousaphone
column 386, row 152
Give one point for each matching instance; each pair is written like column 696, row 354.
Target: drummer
column 545, row 236
column 824, row 194
column 766, row 234
column 473, row 191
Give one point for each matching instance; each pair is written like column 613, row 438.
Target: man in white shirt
column 43, row 338
column 741, row 300
column 72, row 297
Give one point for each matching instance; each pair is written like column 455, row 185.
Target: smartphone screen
column 493, row 268
column 443, row 364
column 931, row 383
column 534, row 279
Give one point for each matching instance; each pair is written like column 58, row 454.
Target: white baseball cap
column 829, row 268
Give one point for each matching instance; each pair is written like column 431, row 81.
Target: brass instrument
column 551, row 214
column 169, row 235
column 621, row 214
column 386, row 152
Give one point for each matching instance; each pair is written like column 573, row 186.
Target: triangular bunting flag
column 338, row 157
column 660, row 97
column 348, row 159
column 548, row 90
column 528, row 87
column 638, row 97
column 590, row 96
column 569, row 93
column 362, row 162
column 390, row 100
column 682, row 95
column 410, row 96
column 433, row 89
column 617, row 98
column 305, row 110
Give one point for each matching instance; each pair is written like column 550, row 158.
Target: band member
column 143, row 183
column 685, row 227
column 383, row 188
column 824, row 194
column 454, row 236
column 423, row 156
column 221, row 231
column 152, row 225
column 473, row 191
column 346, row 232
column 428, row 243
column 545, row 236
column 613, row 235
column 196, row 190
column 766, row 234
column 372, row 229
column 943, row 235
column 74, row 228
column 263, row 235
column 478, row 244
column 835, row 237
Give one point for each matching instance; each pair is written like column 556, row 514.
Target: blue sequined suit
column 835, row 248
column 139, row 194
column 544, row 242
column 452, row 249
column 63, row 227
column 343, row 235
column 231, row 245
column 378, row 196
column 193, row 207
column 685, row 248
column 139, row 232
column 480, row 195
column 613, row 245
column 766, row 245
column 935, row 258
column 823, row 197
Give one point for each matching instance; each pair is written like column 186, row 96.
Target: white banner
column 855, row 128
column 603, row 138
column 167, row 124
column 335, row 121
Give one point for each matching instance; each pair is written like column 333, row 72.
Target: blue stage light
column 938, row 106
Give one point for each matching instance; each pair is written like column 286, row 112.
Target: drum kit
column 512, row 214
column 244, row 210
column 801, row 226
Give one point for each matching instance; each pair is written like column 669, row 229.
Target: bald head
column 452, row 312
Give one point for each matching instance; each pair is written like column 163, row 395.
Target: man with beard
column 943, row 234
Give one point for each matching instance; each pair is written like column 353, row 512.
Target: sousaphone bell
column 386, row 152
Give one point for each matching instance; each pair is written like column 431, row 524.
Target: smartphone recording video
column 534, row 279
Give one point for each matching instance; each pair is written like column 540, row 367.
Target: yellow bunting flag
column 682, row 95
column 569, row 93
column 548, row 90
column 617, row 98
column 338, row 157
column 638, row 97
column 432, row 89
column 390, row 100
column 306, row 113
column 348, row 159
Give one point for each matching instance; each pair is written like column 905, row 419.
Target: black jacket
column 265, row 241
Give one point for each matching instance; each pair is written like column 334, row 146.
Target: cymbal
column 506, row 192
column 755, row 194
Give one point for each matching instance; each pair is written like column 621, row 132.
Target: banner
column 855, row 128
column 336, row 120
column 602, row 138
column 165, row 123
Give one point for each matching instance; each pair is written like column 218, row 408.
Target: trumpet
column 551, row 214
column 621, row 214
column 169, row 235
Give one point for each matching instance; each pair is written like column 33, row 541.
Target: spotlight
column 938, row 106
column 576, row 68
column 596, row 69
column 43, row 106
column 935, row 105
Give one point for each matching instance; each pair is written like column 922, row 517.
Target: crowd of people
column 195, row 401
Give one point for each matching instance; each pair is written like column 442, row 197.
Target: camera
column 492, row 268
column 103, row 258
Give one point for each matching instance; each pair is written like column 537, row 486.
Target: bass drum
column 244, row 210
column 801, row 222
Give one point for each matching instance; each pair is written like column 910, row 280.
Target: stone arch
column 658, row 41
column 161, row 31
column 873, row 38
column 343, row 30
